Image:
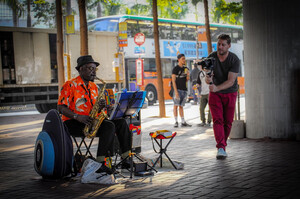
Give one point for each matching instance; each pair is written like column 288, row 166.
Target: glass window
column 132, row 28
column 167, row 68
column 164, row 30
column 177, row 30
column 149, row 65
column 107, row 25
column 189, row 33
column 146, row 27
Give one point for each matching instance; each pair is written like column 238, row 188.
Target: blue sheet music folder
column 128, row 104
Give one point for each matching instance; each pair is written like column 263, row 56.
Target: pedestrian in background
column 204, row 91
column 223, row 91
column 194, row 88
column 180, row 76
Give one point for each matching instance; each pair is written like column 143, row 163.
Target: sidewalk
column 253, row 169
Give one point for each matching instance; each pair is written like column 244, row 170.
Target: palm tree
column 195, row 2
column 28, row 13
column 161, row 100
column 139, row 9
column 17, row 9
column 207, row 27
column 59, row 44
column 83, row 28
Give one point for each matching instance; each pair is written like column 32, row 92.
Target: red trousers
column 222, row 107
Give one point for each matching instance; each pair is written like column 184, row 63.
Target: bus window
column 166, row 66
column 177, row 30
column 107, row 25
column 189, row 33
column 146, row 27
column 149, row 65
column 164, row 30
column 132, row 28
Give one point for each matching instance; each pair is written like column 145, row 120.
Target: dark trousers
column 106, row 134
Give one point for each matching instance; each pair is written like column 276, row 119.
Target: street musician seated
column 79, row 97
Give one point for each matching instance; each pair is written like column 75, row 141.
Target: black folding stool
column 79, row 145
column 162, row 150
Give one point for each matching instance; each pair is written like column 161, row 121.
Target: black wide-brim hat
column 85, row 59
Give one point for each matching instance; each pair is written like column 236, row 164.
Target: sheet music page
column 114, row 111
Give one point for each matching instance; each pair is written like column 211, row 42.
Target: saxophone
column 91, row 130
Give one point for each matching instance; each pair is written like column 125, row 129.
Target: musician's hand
column 102, row 103
column 84, row 119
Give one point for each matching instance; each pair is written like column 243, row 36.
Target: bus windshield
column 107, row 25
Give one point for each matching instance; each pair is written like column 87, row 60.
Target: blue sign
column 138, row 50
column 188, row 48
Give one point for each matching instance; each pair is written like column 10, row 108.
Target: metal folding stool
column 161, row 135
column 81, row 143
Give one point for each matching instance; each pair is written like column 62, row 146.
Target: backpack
column 53, row 153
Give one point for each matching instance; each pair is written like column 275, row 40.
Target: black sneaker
column 105, row 169
column 186, row 124
column 176, row 124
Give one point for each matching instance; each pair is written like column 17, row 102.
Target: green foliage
column 173, row 9
column 45, row 12
column 231, row 13
column 112, row 7
column 139, row 9
column 16, row 6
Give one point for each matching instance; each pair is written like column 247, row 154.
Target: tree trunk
column 28, row 14
column 83, row 28
column 207, row 27
column 69, row 10
column 15, row 18
column 99, row 10
column 59, row 45
column 160, row 87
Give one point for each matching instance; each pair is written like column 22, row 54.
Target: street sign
column 139, row 39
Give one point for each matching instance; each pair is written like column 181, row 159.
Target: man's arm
column 174, row 85
column 228, row 83
column 63, row 109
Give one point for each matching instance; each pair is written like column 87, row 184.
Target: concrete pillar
column 272, row 68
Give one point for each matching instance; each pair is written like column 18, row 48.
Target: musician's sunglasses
column 91, row 67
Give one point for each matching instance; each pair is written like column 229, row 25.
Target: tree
column 138, row 9
column 231, row 13
column 45, row 11
column 59, row 44
column 17, row 9
column 28, row 13
column 207, row 27
column 161, row 100
column 195, row 2
column 83, row 28
column 174, row 9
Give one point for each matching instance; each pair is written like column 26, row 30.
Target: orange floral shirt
column 77, row 97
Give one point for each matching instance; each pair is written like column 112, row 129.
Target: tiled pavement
column 254, row 169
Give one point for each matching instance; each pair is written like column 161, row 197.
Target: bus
column 176, row 36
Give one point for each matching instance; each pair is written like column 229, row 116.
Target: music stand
column 128, row 105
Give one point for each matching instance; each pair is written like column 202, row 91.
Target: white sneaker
column 221, row 154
